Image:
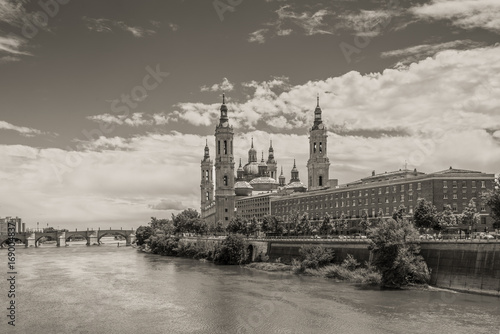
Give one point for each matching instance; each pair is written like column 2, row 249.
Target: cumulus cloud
column 107, row 25
column 466, row 14
column 225, row 86
column 415, row 53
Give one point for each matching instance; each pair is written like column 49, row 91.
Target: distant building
column 384, row 193
column 4, row 223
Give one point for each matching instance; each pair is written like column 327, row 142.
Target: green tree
column 425, row 215
column 187, row 221
column 266, row 223
column 219, row 227
column 491, row 198
column 397, row 259
column 231, row 251
column 294, row 222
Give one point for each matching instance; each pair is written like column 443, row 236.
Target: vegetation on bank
column 396, row 259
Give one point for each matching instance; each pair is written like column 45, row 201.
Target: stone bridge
column 93, row 237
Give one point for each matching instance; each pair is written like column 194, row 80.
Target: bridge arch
column 3, row 241
column 52, row 237
column 113, row 233
column 250, row 253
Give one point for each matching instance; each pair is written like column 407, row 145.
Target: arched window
column 225, row 146
column 320, row 148
column 225, row 180
column 218, row 147
column 320, row 181
column 314, row 148
column 208, row 196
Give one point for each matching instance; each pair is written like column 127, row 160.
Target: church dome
column 242, row 188
column 264, row 183
column 296, row 186
column 251, row 168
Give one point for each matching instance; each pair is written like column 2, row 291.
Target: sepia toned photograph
column 250, row 166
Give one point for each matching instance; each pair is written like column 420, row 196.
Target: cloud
column 258, row 36
column 365, row 23
column 173, row 26
column 135, row 120
column 167, row 204
column 418, row 52
column 25, row 131
column 225, row 86
column 466, row 14
column 107, row 25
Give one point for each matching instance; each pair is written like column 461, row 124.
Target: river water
column 110, row 289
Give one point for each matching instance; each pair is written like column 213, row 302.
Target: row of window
column 464, row 184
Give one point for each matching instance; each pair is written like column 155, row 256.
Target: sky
column 105, row 106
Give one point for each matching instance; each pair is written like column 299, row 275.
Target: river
column 110, row 289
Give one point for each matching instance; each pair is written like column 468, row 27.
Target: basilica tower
column 224, row 168
column 207, row 182
column 318, row 164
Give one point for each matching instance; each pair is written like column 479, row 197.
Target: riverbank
column 340, row 273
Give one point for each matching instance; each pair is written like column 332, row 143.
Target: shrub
column 350, row 262
column 261, row 257
column 315, row 257
column 232, row 250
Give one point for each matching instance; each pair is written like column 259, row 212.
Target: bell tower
column 224, row 168
column 271, row 162
column 207, row 181
column 318, row 165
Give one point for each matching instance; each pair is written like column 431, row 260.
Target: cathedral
column 255, row 177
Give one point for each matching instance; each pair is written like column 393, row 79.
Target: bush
column 261, row 257
column 350, row 263
column 315, row 257
column 232, row 250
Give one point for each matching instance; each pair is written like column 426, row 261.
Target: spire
column 262, row 157
column 223, row 110
column 281, row 171
column 317, row 114
column 252, row 142
column 294, row 164
column 207, row 151
column 240, row 163
column 252, row 154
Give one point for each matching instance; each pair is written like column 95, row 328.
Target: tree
column 447, row 217
column 342, row 223
column 187, row 221
column 325, row 225
column 425, row 215
column 399, row 214
column 397, row 259
column 469, row 215
column 231, row 251
column 236, row 225
column 142, row 234
column 266, row 223
column 219, row 227
column 304, row 225
column 364, row 222
column 491, row 198
column 294, row 222
column 253, row 226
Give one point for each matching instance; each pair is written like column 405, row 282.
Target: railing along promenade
column 310, row 239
